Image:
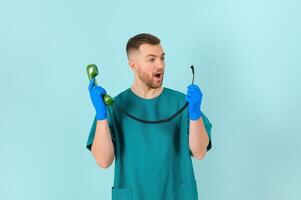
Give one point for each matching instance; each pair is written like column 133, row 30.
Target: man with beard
column 152, row 160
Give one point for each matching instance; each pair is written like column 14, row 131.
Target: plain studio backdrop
column 247, row 62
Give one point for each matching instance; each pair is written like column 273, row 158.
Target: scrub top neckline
column 147, row 100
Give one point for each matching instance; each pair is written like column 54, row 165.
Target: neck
column 143, row 91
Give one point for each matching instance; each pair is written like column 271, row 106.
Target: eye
column 163, row 58
column 152, row 60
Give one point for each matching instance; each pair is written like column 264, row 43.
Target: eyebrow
column 163, row 54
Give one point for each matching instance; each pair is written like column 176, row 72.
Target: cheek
column 147, row 69
column 145, row 72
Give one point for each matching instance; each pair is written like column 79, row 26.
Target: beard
column 149, row 81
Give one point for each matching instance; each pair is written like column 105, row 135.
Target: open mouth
column 158, row 75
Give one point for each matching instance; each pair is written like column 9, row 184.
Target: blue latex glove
column 194, row 98
column 96, row 93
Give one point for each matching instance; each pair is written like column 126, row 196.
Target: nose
column 160, row 64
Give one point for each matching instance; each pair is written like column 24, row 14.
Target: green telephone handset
column 92, row 72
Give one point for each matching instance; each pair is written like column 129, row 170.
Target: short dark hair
column 143, row 38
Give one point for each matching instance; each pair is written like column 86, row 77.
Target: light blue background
column 247, row 60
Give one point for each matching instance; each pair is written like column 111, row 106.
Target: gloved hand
column 96, row 93
column 194, row 98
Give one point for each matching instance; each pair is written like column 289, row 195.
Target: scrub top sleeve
column 208, row 127
column 93, row 128
column 91, row 134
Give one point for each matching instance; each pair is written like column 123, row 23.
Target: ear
column 132, row 64
column 133, row 59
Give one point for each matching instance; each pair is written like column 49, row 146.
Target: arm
column 102, row 147
column 198, row 138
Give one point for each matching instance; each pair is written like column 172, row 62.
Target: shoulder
column 121, row 94
column 174, row 93
column 120, row 98
column 174, row 97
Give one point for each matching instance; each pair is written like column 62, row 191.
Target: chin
column 158, row 86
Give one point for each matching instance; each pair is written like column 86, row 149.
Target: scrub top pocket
column 122, row 193
column 187, row 191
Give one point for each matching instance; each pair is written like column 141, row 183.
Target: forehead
column 146, row 49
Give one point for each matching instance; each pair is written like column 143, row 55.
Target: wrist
column 101, row 116
column 195, row 115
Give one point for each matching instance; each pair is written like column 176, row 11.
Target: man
column 152, row 160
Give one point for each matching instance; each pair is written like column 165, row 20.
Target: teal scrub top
column 152, row 161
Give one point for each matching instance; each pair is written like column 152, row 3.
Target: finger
column 91, row 84
column 193, row 90
column 100, row 90
column 103, row 91
column 194, row 86
column 191, row 85
column 190, row 92
column 195, row 95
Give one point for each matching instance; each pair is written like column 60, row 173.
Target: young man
column 152, row 160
